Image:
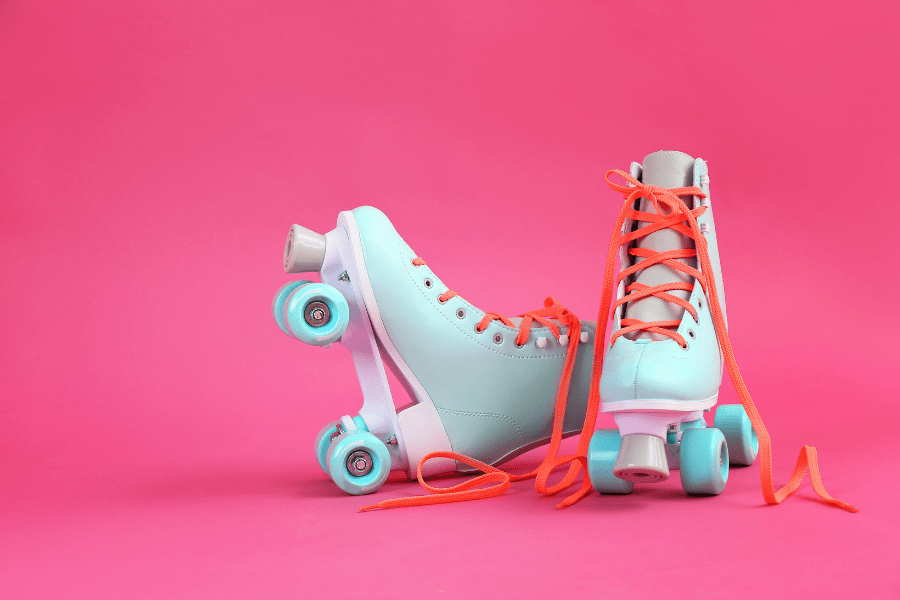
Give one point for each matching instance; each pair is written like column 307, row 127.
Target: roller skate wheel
column 316, row 314
column 280, row 299
column 323, row 442
column 328, row 433
column 703, row 461
column 601, row 456
column 358, row 462
column 733, row 422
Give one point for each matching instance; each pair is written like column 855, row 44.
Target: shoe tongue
column 667, row 169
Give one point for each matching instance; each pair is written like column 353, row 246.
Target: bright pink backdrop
column 156, row 427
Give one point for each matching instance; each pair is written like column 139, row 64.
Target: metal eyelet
column 441, row 301
column 686, row 347
column 413, row 263
column 518, row 345
column 428, row 283
column 460, row 313
column 700, row 303
column 691, row 334
column 479, row 330
column 498, row 338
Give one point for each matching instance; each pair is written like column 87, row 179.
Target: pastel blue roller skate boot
column 663, row 368
column 481, row 385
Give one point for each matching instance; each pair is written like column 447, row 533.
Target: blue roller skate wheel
column 358, row 462
column 601, row 457
column 323, row 439
column 316, row 314
column 733, row 422
column 323, row 442
column 703, row 461
column 279, row 300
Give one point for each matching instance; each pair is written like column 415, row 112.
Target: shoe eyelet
column 686, row 347
column 428, row 283
column 518, row 345
column 477, row 330
column 498, row 338
column 441, row 300
column 691, row 334
column 413, row 263
column 700, row 303
column 460, row 313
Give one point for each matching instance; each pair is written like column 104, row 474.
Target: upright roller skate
column 663, row 368
column 483, row 388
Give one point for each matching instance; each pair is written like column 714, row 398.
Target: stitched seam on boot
column 464, row 413
column 634, row 375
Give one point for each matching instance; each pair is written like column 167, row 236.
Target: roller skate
column 663, row 368
column 483, row 388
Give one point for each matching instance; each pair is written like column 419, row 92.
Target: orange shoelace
column 497, row 480
column 674, row 214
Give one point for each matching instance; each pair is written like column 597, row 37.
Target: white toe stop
column 563, row 339
column 541, row 342
column 585, row 336
column 304, row 250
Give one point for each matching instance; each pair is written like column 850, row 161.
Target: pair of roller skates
column 485, row 388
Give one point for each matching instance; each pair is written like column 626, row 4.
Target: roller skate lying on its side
column 484, row 388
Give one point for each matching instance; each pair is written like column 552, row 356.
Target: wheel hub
column 359, row 463
column 317, row 314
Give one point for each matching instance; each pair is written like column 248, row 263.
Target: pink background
column 156, row 428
